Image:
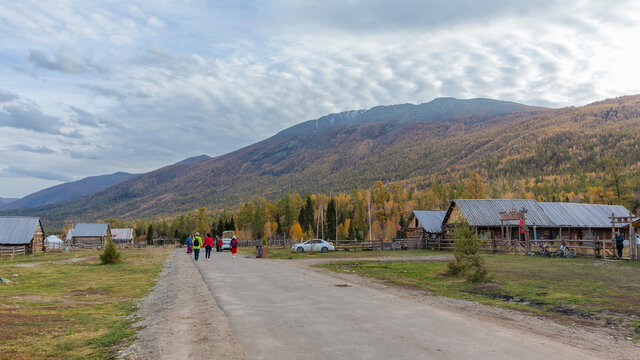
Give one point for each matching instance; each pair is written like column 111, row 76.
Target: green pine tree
column 331, row 220
column 110, row 255
column 150, row 235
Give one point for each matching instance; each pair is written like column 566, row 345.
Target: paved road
column 282, row 311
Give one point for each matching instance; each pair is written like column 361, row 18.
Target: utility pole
column 369, row 206
column 322, row 220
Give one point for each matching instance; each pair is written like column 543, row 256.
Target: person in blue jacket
column 189, row 243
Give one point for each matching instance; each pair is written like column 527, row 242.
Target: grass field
column 279, row 253
column 68, row 306
column 584, row 288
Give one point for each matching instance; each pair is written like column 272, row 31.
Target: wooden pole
column 613, row 234
column 631, row 244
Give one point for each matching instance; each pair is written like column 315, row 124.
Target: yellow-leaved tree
column 295, row 232
column 474, row 186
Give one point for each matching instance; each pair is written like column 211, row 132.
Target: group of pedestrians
column 196, row 243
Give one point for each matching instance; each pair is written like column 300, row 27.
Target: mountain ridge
column 4, row 201
column 404, row 145
column 68, row 191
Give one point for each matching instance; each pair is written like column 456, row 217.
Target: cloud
column 382, row 16
column 83, row 117
column 8, row 96
column 104, row 91
column 22, row 70
column 82, row 155
column 37, row 150
column 32, row 173
column 65, row 61
column 29, row 117
column 211, row 77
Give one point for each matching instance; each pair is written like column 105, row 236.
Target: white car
column 226, row 244
column 313, row 245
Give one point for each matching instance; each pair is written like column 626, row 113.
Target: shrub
column 110, row 255
column 468, row 260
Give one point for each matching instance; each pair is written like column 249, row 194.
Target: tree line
column 381, row 211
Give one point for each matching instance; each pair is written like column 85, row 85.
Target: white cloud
column 151, row 84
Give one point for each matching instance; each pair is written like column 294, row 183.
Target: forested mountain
column 588, row 153
column 194, row 159
column 68, row 191
column 4, row 201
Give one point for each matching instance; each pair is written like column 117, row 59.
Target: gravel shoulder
column 180, row 319
column 609, row 342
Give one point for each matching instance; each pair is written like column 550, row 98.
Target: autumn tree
column 474, row 186
column 295, row 232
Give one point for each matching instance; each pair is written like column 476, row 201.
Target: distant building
column 22, row 232
column 122, row 236
column 53, row 242
column 425, row 224
column 89, row 235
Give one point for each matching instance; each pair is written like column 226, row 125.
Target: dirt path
column 610, row 342
column 172, row 329
column 318, row 261
column 285, row 310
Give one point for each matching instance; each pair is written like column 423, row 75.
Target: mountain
column 514, row 146
column 194, row 159
column 334, row 152
column 68, row 191
column 4, row 201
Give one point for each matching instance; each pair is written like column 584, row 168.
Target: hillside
column 4, row 201
column 68, row 191
column 194, row 159
column 442, row 140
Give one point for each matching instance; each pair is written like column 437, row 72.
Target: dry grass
column 68, row 306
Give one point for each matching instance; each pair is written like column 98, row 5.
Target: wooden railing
column 592, row 247
column 12, row 250
column 355, row 245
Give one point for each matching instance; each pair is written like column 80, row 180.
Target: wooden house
column 425, row 226
column 500, row 220
column 90, row 235
column 24, row 235
column 122, row 237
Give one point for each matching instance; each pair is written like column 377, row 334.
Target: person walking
column 208, row 244
column 234, row 246
column 189, row 243
column 619, row 243
column 219, row 245
column 197, row 244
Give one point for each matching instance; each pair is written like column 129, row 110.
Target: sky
column 90, row 88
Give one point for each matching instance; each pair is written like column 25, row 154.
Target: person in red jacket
column 219, row 245
column 234, row 246
column 208, row 244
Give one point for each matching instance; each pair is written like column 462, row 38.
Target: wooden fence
column 591, row 247
column 12, row 250
column 276, row 243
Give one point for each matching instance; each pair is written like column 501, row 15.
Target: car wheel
column 299, row 249
column 324, row 250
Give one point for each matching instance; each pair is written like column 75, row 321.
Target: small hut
column 21, row 235
column 53, row 242
column 122, row 237
column 90, row 235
